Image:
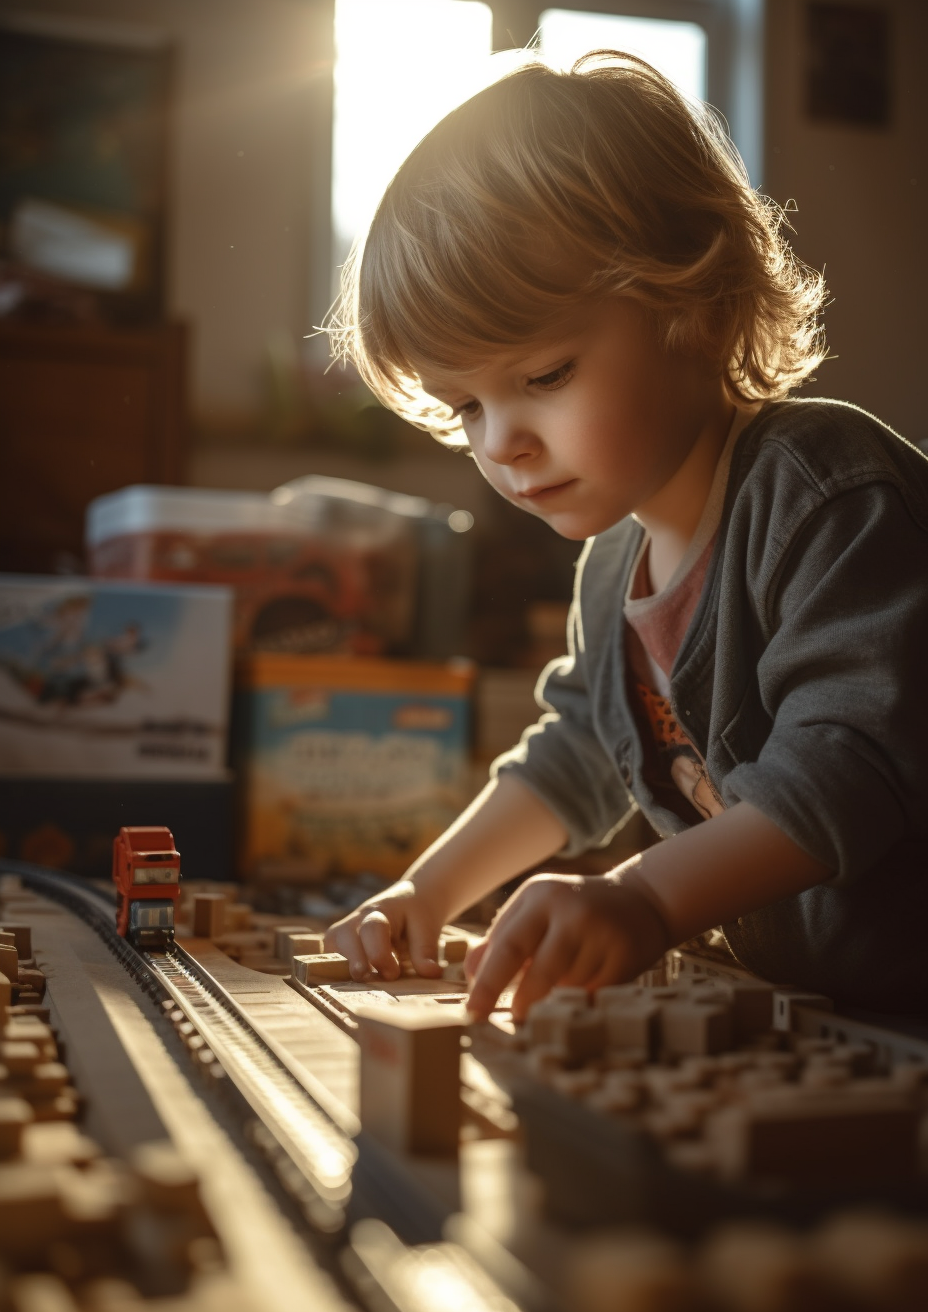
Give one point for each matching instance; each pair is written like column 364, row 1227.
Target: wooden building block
column 112, row 1294
column 629, row 1271
column 801, row 1135
column 239, row 916
column 784, row 1000
column 168, row 1180
column 620, row 1093
column 321, row 968
column 585, row 1037
column 695, row 1028
column 45, row 1080
column 9, row 962
column 6, row 993
column 209, row 915
column 410, row 1079
column 576, row 1083
column 303, row 944
column 282, row 935
column 31, row 980
column 751, row 1004
column 23, row 1009
column 41, row 1293
column 57, row 1143
column 859, row 1057
column 15, row 1115
column 570, row 995
column 547, row 1021
column 22, row 936
column 616, row 994
column 31, row 1029
column 545, row 1059
column 658, row 975
column 875, row 1258
column 682, row 1114
column 31, row 1213
column 825, row 1072
column 757, row 1267
column 19, row 1057
column 453, row 947
column 632, row 1023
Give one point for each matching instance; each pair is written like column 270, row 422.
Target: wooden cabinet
column 83, row 410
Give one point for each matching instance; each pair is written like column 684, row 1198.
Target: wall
column 250, row 127
column 861, row 196
column 249, row 222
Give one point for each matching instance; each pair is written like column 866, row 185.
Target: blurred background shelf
column 83, row 410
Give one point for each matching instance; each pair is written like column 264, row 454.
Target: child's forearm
column 719, row 870
column 605, row 929
column 506, row 829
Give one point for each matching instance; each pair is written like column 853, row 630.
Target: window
column 677, row 49
column 401, row 65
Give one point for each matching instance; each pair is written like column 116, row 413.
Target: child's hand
column 564, row 929
column 368, row 937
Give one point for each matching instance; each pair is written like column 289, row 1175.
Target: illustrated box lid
column 108, row 678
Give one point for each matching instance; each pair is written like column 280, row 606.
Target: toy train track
column 315, row 1156
column 314, row 1162
column 310, row 1155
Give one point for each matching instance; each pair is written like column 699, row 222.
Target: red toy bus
column 146, row 872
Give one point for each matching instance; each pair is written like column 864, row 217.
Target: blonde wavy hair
column 551, row 189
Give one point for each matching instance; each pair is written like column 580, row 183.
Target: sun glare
column 676, row 49
column 400, row 66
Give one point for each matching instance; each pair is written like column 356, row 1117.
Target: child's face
column 586, row 429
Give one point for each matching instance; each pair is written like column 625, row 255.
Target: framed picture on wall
column 848, row 64
column 84, row 128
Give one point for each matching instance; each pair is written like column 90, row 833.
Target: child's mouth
column 539, row 494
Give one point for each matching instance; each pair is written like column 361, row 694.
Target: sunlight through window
column 676, row 49
column 400, row 66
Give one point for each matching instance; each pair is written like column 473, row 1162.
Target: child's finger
column 344, row 938
column 586, row 965
column 551, row 965
column 510, row 943
column 474, row 956
column 376, row 937
column 422, row 941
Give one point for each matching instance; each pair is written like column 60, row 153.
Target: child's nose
column 507, row 439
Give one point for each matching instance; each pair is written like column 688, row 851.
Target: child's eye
column 555, row 378
column 466, row 410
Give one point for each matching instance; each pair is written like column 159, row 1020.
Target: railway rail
column 324, row 1173
column 310, row 1155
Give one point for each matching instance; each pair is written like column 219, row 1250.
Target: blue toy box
column 347, row 765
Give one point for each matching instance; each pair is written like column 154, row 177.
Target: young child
column 572, row 276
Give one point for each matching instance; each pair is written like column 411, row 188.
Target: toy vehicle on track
column 146, row 872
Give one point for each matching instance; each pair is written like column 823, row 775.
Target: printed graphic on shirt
column 677, row 755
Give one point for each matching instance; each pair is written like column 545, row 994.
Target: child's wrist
column 632, row 881
column 430, row 895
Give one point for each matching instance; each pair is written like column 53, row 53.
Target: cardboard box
column 347, row 765
column 103, row 680
column 320, row 565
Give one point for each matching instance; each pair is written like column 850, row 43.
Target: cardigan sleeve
column 844, row 681
column 561, row 758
